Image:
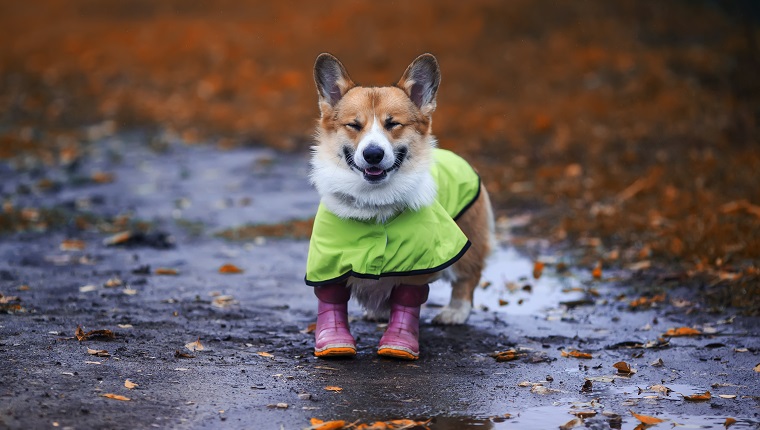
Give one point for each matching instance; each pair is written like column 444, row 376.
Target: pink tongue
column 374, row 171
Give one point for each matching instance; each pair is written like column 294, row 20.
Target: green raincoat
column 411, row 243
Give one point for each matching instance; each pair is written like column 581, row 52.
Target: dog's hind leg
column 477, row 224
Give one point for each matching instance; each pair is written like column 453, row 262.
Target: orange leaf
column 729, row 422
column 265, row 354
column 332, row 388
column 682, row 331
column 116, row 397
column 698, row 397
column 647, row 301
column 538, row 269
column 317, row 424
column 167, row 271
column 72, row 245
column 230, row 269
column 102, row 177
column 506, row 355
column 646, row 419
column 597, row 272
column 129, row 384
column 575, row 353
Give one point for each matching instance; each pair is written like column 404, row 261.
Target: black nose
column 373, row 154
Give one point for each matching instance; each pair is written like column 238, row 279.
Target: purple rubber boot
column 332, row 336
column 401, row 337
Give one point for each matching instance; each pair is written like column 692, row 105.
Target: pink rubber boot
column 332, row 336
column 401, row 337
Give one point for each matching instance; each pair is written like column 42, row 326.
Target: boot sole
column 397, row 353
column 342, row 351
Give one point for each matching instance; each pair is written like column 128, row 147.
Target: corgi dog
column 396, row 213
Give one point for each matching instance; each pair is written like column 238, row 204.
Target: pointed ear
column 420, row 82
column 331, row 78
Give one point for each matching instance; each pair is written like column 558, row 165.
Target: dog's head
column 374, row 143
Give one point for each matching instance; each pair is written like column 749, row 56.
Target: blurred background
column 626, row 132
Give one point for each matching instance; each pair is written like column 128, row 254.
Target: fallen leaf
column 115, row 397
column 332, row 388
column 81, row 335
column 575, row 422
column 317, row 424
column 230, row 269
column 727, row 396
column 102, row 177
column 646, row 419
column 129, row 291
column 525, row 384
column 506, row 355
column 647, row 301
column 117, row 238
column 310, row 328
column 195, row 346
column 540, row 389
column 661, row 389
column 166, row 271
column 87, row 288
column 503, row 302
column 698, row 397
column 584, row 414
column 576, row 354
column 113, row 283
column 587, row 387
column 624, row 368
column 657, row 363
column 129, row 384
column 265, row 354
column 757, row 368
column 98, row 352
column 597, row 272
column 538, row 269
column 223, row 301
column 180, row 354
column 72, row 245
column 682, row 331
column 125, row 325
column 729, row 422
column 278, row 405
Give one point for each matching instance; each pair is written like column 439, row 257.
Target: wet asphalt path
column 256, row 369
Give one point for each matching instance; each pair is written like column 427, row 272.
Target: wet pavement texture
column 257, row 369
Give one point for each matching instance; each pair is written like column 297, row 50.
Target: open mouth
column 375, row 173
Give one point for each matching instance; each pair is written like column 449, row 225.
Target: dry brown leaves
column 80, row 335
column 230, row 269
column 130, row 385
column 393, row 425
column 576, row 354
column 682, row 331
column 333, row 388
column 265, row 354
column 624, row 368
column 310, row 328
column 729, row 422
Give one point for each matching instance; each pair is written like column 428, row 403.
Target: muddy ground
column 145, row 144
column 179, row 198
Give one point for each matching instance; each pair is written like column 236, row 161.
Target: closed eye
column 354, row 126
column 390, row 124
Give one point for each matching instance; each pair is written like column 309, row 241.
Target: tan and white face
column 375, row 130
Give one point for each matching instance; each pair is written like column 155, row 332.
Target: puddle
column 511, row 288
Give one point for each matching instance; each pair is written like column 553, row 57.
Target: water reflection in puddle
column 512, row 289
